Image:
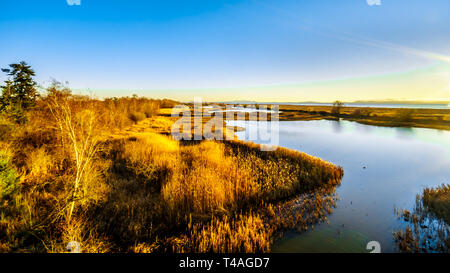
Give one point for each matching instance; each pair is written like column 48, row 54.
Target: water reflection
column 403, row 132
column 305, row 211
column 337, row 127
column 427, row 227
column 384, row 168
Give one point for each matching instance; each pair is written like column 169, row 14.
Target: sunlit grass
column 142, row 191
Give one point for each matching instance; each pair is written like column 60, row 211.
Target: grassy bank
column 108, row 175
column 391, row 117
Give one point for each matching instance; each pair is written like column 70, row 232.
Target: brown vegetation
column 390, row 117
column 428, row 225
column 89, row 171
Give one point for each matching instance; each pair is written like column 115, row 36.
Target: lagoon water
column 385, row 105
column 384, row 168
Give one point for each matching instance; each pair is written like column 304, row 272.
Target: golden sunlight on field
column 108, row 174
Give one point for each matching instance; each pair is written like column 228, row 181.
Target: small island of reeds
column 428, row 224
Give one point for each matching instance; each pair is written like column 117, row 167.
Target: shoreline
column 387, row 117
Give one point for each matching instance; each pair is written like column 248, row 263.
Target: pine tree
column 5, row 100
column 19, row 92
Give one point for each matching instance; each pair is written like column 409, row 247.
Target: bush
column 136, row 116
column 404, row 115
column 6, row 128
column 9, row 180
column 337, row 106
column 150, row 110
column 361, row 113
column 165, row 103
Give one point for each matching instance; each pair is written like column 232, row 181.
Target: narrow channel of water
column 385, row 168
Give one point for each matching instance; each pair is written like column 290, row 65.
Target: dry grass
column 207, row 181
column 427, row 226
column 142, row 191
column 255, row 231
column 186, row 185
column 438, row 201
column 244, row 233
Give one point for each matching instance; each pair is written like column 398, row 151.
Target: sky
column 259, row 50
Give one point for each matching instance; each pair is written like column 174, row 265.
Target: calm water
column 398, row 163
column 385, row 105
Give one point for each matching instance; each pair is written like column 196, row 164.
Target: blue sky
column 116, row 47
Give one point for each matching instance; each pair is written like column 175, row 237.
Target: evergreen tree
column 20, row 88
column 19, row 92
column 5, row 100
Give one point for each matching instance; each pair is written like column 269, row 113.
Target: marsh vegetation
column 389, row 117
column 428, row 225
column 107, row 174
column 377, row 162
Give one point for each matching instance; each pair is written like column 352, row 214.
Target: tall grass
column 162, row 185
column 82, row 170
column 427, row 227
column 9, row 179
column 242, row 233
column 255, row 231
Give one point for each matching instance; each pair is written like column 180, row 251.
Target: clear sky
column 263, row 50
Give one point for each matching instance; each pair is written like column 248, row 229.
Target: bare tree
column 337, row 106
column 77, row 133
